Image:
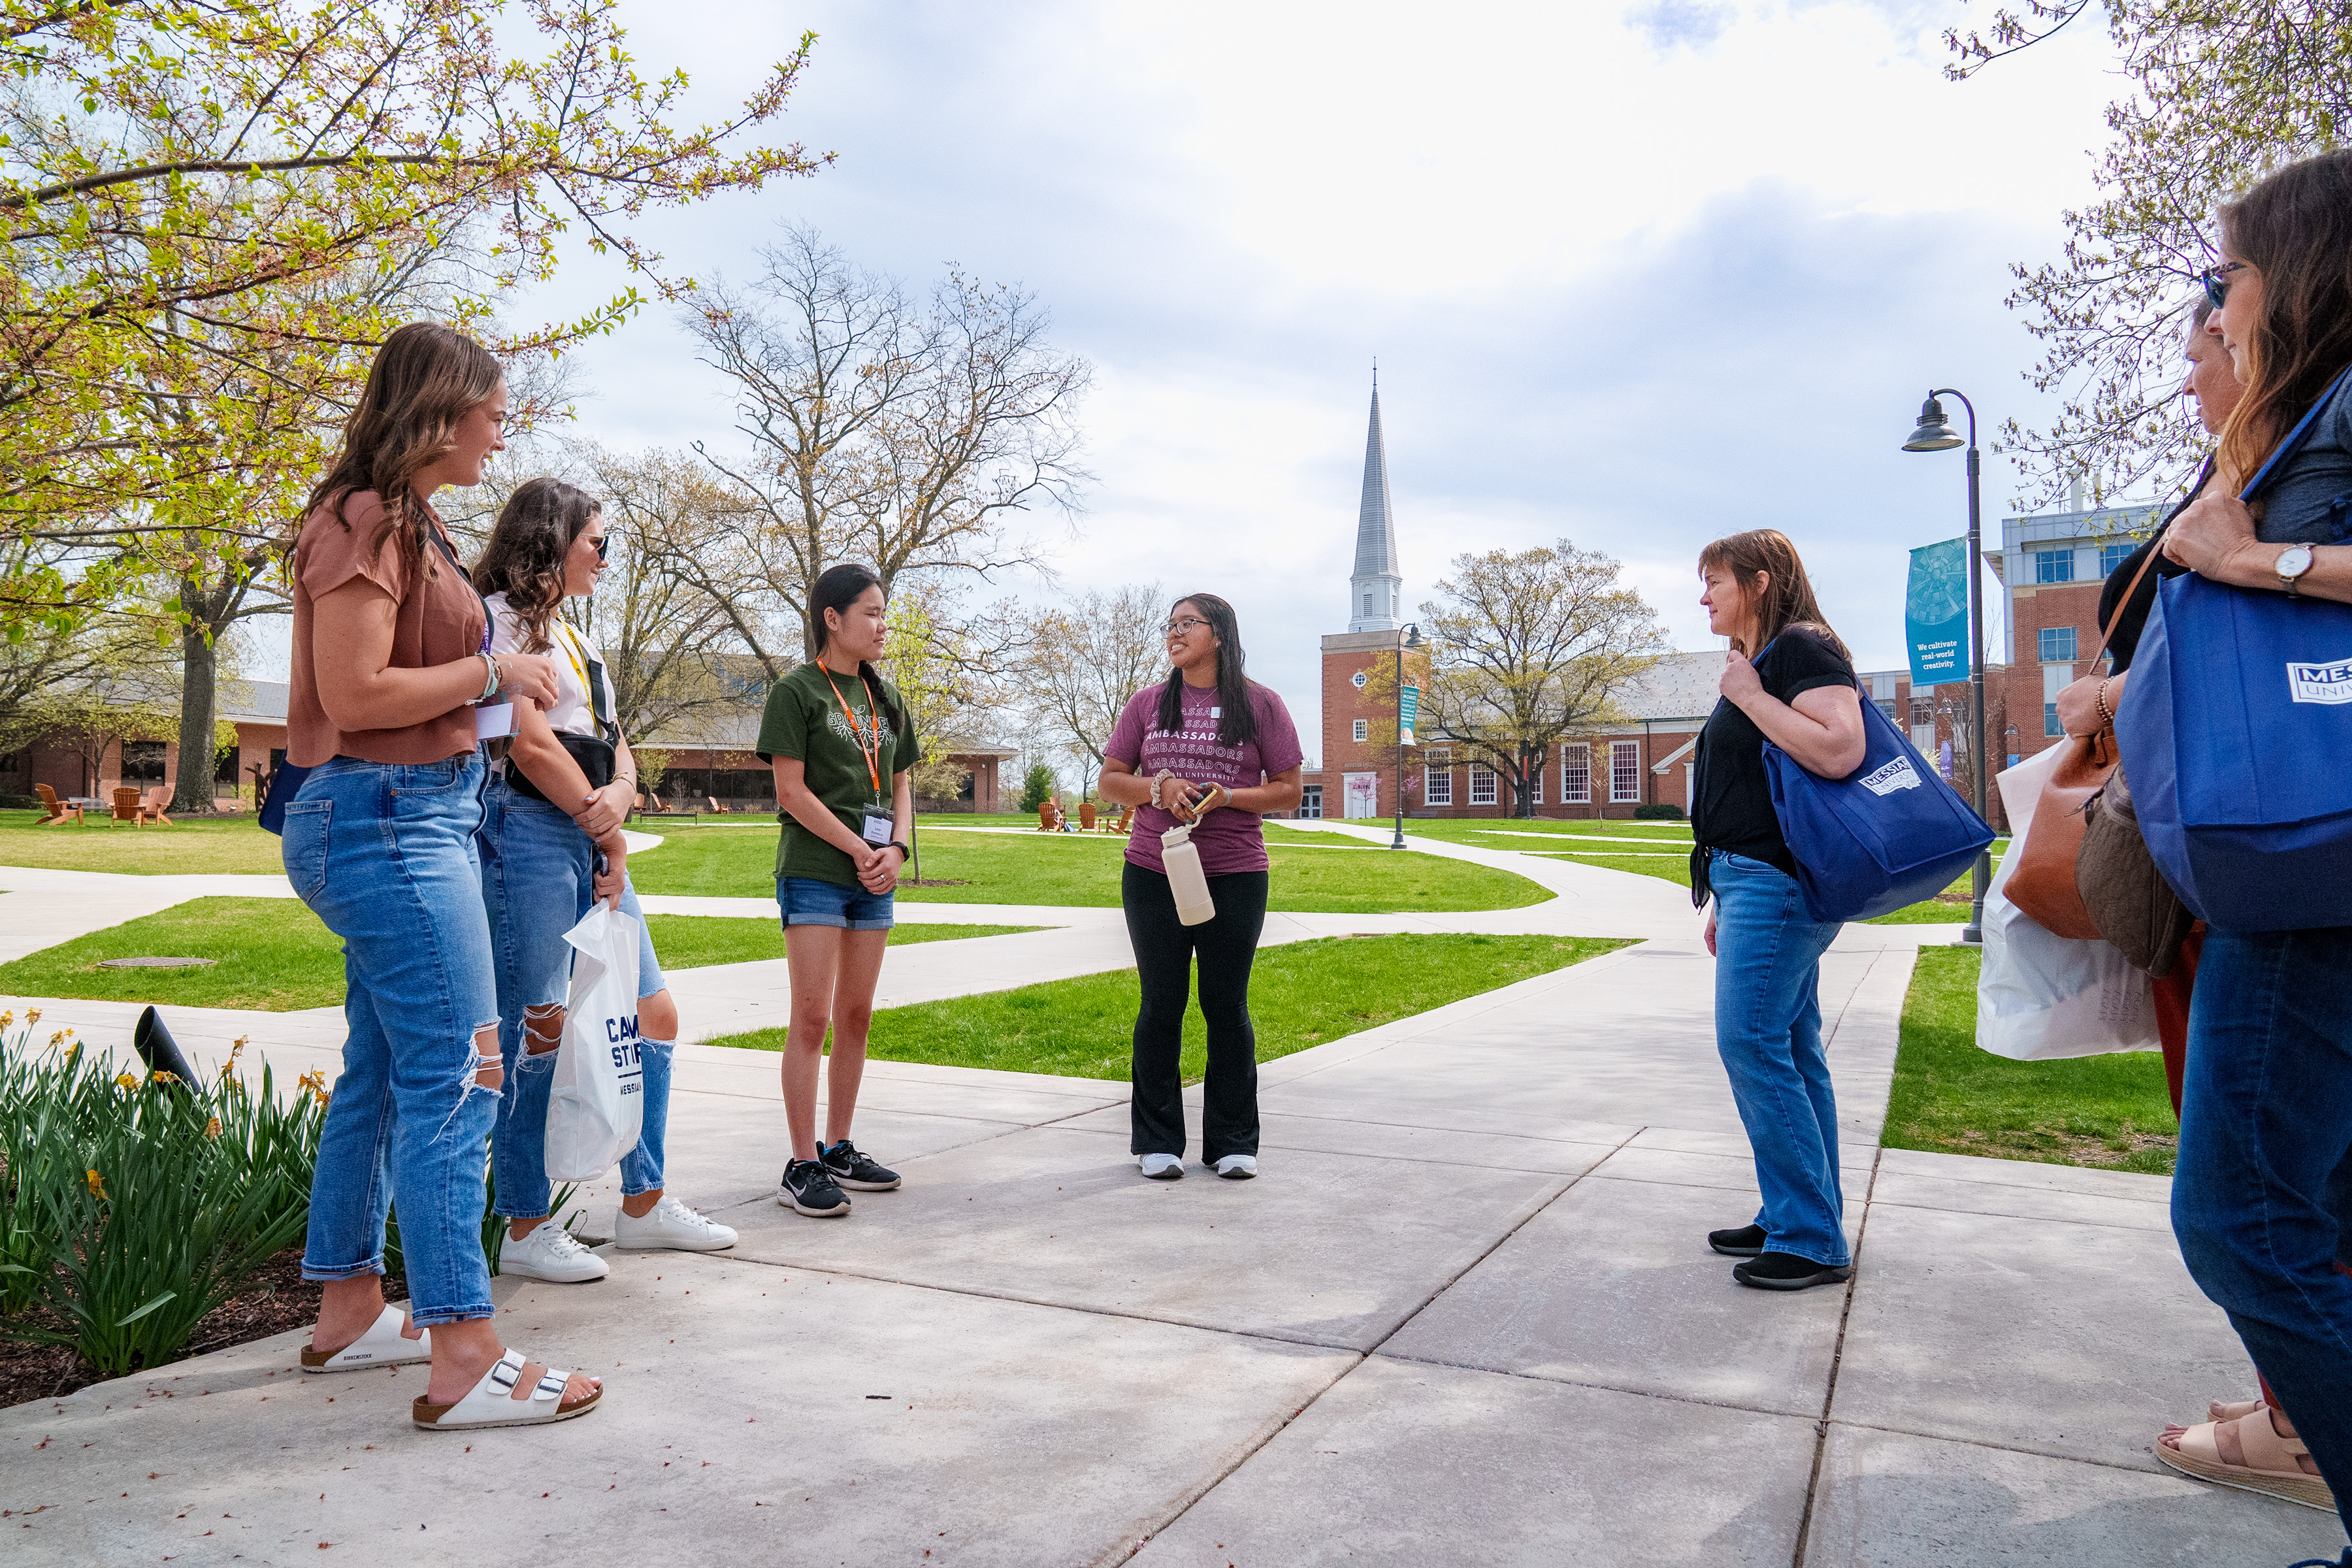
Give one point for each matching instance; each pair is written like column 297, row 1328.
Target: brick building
column 1648, row 759
column 2052, row 565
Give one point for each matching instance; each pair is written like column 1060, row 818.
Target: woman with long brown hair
column 391, row 660
column 1789, row 681
column 552, row 845
column 2261, row 1196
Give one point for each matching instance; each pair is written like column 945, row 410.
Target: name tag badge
column 877, row 830
column 493, row 723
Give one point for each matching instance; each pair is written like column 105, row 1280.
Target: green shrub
column 1036, row 787
column 1660, row 813
column 135, row 1207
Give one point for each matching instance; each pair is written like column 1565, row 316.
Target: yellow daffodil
column 212, row 1127
column 96, row 1185
column 126, row 1081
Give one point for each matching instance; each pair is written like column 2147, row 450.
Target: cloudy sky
column 1635, row 276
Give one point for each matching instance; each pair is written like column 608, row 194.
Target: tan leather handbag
column 2044, row 885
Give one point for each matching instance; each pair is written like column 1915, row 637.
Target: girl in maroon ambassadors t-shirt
column 1214, row 749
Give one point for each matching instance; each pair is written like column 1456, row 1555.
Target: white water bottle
column 1185, row 879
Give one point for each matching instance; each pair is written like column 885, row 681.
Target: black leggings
column 1164, row 947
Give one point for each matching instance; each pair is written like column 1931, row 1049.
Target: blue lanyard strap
column 2294, row 438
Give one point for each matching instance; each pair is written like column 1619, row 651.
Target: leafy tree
column 2215, row 97
column 1525, row 650
column 1038, row 787
column 213, row 214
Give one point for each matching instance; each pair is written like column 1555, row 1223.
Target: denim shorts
column 806, row 901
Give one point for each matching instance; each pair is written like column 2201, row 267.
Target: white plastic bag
column 2041, row 997
column 596, row 1106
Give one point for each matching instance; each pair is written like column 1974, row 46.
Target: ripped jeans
column 538, row 880
column 384, row 855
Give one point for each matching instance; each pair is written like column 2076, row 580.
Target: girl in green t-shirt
column 840, row 742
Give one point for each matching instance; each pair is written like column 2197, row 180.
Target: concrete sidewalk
column 1467, row 1315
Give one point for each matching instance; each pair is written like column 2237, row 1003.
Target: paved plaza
column 1467, row 1315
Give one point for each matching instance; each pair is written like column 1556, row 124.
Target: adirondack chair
column 716, row 808
column 1047, row 812
column 126, row 807
column 1086, row 817
column 1126, row 821
column 152, row 810
column 58, row 810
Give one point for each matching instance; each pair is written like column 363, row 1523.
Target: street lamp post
column 1935, row 435
column 1408, row 638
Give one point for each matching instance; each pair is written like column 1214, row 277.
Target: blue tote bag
column 1887, row 834
column 2236, row 733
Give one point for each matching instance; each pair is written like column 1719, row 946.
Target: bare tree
column 1531, row 648
column 1081, row 663
column 904, row 436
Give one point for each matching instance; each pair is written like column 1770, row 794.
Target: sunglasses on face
column 2216, row 281
column 1178, row 628
column 604, row 545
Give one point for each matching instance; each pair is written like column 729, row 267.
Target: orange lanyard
column 874, row 720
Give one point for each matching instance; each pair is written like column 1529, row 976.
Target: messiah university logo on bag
column 2330, row 683
column 1896, row 775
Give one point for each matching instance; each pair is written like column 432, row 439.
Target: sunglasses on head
column 2216, row 281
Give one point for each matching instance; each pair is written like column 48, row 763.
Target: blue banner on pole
column 1408, row 715
column 1935, row 614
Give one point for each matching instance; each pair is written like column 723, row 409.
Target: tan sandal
column 2270, row 1467
column 2234, row 1409
column 493, row 1401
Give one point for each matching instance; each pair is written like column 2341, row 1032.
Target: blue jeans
column 1768, row 1029
column 2262, row 1196
column 538, row 880
column 384, row 855
column 812, row 901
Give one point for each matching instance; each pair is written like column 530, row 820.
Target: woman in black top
column 1790, row 682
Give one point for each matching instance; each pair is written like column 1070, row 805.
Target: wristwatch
column 2293, row 562
column 904, row 853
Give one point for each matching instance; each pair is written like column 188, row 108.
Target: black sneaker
column 809, row 1187
column 853, row 1169
column 1746, row 1242
column 1786, row 1271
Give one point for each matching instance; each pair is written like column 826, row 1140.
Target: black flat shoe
column 1748, row 1241
column 1786, row 1271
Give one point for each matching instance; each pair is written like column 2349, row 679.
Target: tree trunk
column 193, row 787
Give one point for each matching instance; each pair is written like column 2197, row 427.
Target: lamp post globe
column 1934, row 433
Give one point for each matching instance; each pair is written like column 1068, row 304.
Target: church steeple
column 1375, row 592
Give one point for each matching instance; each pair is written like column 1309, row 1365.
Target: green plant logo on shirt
column 861, row 736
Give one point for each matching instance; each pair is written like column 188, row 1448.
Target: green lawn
column 191, row 845
column 1301, row 994
column 1309, row 873
column 272, row 955
column 1948, row 1096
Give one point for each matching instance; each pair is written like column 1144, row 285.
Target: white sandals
column 382, row 1345
column 491, row 1402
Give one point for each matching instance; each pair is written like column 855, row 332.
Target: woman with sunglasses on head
column 391, row 657
column 2261, row 1196
column 1788, row 680
column 551, row 845
column 1209, row 747
column 840, row 742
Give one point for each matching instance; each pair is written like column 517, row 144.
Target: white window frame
column 1573, row 792
column 1535, row 784
column 1437, row 786
column 1363, row 731
column 1483, row 780
column 1624, row 765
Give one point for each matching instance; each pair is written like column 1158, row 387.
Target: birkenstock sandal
column 491, row 1402
column 2270, row 1467
column 382, row 1345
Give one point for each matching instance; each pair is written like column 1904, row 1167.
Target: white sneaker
column 553, row 1254
column 1161, row 1167
column 1237, row 1167
column 670, row 1224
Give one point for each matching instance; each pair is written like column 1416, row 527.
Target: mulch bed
column 277, row 1298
